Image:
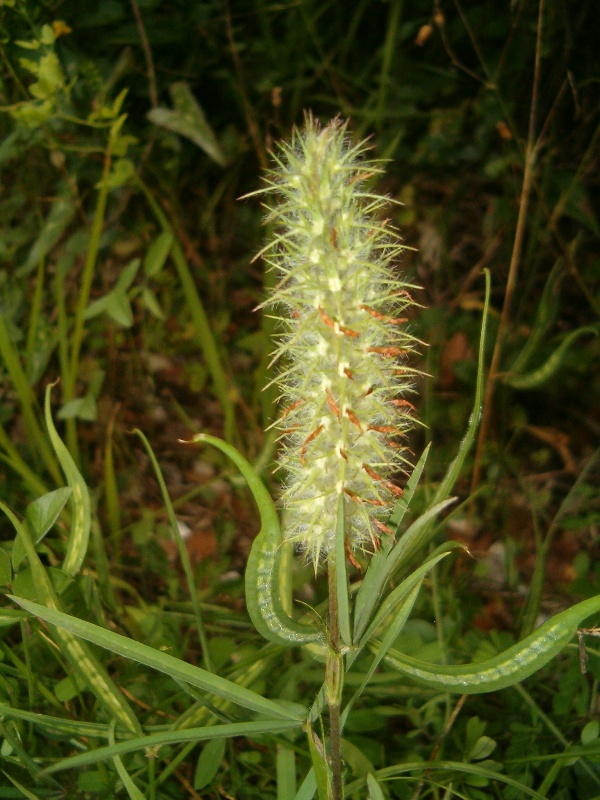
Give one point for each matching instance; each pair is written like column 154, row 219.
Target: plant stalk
column 334, row 682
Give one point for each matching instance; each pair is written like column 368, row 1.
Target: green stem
column 70, row 381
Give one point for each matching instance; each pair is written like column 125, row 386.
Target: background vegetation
column 129, row 130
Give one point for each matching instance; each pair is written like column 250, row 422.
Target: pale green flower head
column 343, row 344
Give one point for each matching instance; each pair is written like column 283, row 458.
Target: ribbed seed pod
column 343, row 341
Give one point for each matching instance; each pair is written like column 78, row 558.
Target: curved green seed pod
column 342, row 343
column 264, row 563
column 512, row 666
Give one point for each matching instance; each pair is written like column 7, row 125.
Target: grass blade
column 150, row 657
column 173, row 737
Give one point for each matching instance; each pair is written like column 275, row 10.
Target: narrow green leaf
column 154, row 740
column 262, row 579
column 414, row 538
column 546, row 311
column 531, row 380
column 132, row 790
column 432, row 767
column 81, row 658
column 62, row 725
column 375, row 790
column 455, row 467
column 308, row 788
column 320, row 765
column 80, row 498
column 397, row 596
column 286, row 772
column 392, row 633
column 507, row 668
column 182, row 551
column 169, row 665
column 376, row 575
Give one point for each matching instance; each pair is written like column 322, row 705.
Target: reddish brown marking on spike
column 404, row 404
column 353, row 496
column 350, row 557
column 348, row 373
column 295, row 314
column 394, row 489
column 290, row 408
column 342, row 452
column 387, row 352
column 395, row 445
column 368, row 392
column 327, row 320
column 363, row 176
column 358, row 499
column 353, row 419
column 349, row 332
column 334, row 241
column 379, row 315
column 404, row 293
column 372, row 312
column 383, row 528
column 307, row 441
column 332, row 405
column 371, row 473
column 384, row 429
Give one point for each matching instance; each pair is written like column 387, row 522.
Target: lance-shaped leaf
column 507, row 668
column 175, row 667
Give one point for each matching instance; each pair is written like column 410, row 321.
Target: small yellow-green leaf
column 590, row 732
column 158, row 253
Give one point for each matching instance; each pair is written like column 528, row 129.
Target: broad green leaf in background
column 187, row 119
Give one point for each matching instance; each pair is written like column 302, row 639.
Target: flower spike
column 343, row 338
